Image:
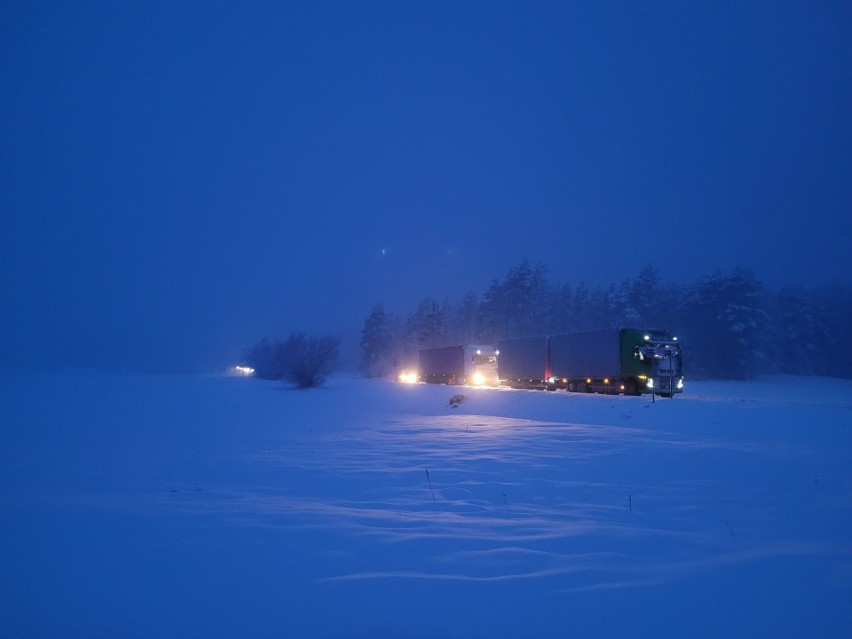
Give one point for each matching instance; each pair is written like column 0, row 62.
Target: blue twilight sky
column 180, row 178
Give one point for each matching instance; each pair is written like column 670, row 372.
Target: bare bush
column 308, row 360
column 303, row 360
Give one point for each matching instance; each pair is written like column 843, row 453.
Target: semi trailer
column 523, row 362
column 472, row 364
column 610, row 360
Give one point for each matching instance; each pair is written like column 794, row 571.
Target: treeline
column 730, row 325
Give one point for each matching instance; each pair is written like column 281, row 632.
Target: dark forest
column 731, row 325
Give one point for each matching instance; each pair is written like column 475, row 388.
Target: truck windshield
column 484, row 359
column 658, row 352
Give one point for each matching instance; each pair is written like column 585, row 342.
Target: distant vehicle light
column 674, row 339
column 478, row 351
column 647, row 338
column 551, row 380
column 606, row 380
column 408, row 377
column 244, row 371
column 478, row 379
column 496, row 352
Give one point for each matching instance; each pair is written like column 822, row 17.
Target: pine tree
column 424, row 328
column 463, row 319
column 797, row 330
column 492, row 319
column 835, row 331
column 558, row 314
column 581, row 309
column 644, row 298
column 728, row 321
column 377, row 344
column 516, row 306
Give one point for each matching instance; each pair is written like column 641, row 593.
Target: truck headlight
column 408, row 378
column 478, row 379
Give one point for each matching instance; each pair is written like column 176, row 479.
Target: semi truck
column 610, row 360
column 471, row 364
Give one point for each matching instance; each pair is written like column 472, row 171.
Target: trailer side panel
column 523, row 358
column 442, row 362
column 593, row 354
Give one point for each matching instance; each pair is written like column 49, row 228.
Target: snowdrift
column 224, row 507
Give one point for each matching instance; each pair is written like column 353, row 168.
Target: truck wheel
column 581, row 388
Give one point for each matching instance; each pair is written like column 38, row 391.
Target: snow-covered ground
column 230, row 507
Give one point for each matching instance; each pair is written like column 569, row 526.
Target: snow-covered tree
column 516, row 306
column 426, row 327
column 377, row 343
column 833, row 306
column 643, row 299
column 581, row 318
column 729, row 324
column 463, row 317
column 558, row 315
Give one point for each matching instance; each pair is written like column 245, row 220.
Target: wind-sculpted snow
column 176, row 507
column 581, row 506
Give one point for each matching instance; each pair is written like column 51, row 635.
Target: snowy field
column 229, row 507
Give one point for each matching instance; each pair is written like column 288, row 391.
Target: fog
column 178, row 180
